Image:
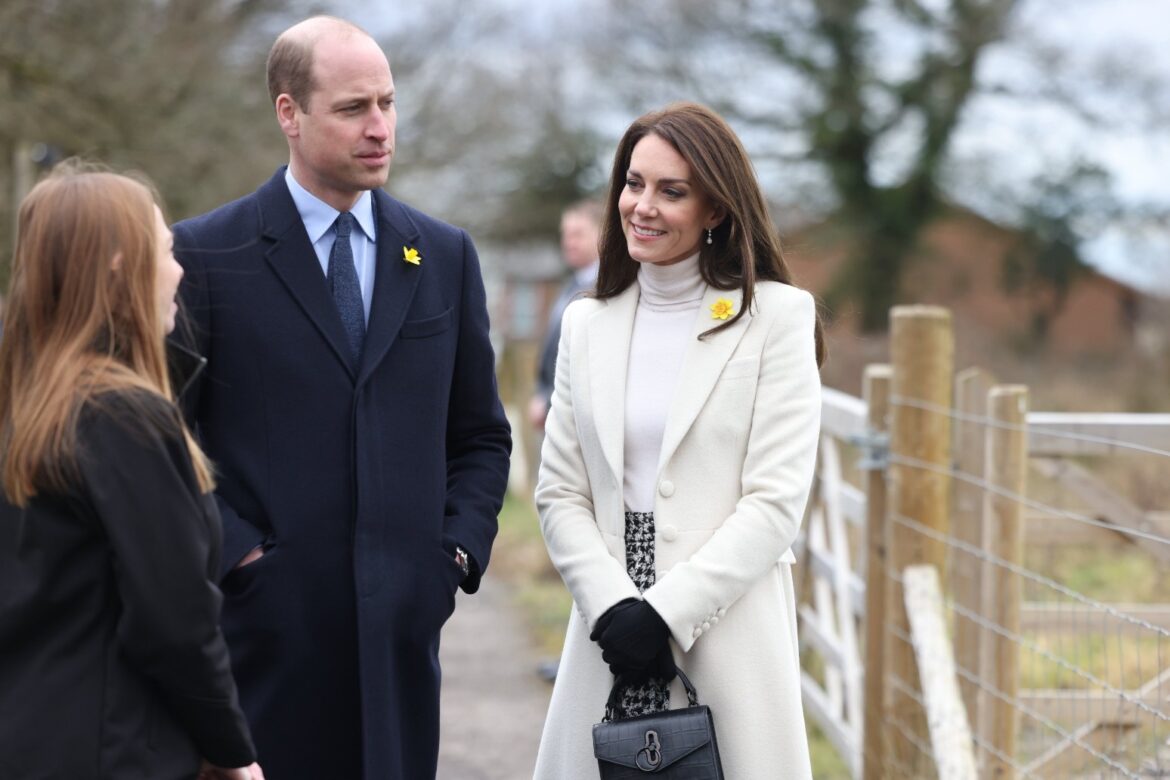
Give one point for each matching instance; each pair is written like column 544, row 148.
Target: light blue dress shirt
column 318, row 217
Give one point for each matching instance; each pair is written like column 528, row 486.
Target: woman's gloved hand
column 661, row 668
column 634, row 639
column 606, row 617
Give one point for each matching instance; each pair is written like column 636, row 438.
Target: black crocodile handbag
column 676, row 744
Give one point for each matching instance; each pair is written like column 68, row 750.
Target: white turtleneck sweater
column 670, row 299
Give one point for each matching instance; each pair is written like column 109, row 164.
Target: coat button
column 721, row 611
column 714, row 620
column 669, row 533
column 696, row 633
column 706, row 626
column 666, row 489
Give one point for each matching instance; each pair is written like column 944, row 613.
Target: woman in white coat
column 679, row 453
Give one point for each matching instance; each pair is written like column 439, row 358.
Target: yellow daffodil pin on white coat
column 722, row 309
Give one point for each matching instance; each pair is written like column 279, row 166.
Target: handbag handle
column 611, row 704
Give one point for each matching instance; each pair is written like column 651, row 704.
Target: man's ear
column 286, row 115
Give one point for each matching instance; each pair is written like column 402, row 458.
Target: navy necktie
column 343, row 282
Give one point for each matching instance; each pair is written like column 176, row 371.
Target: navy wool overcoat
column 356, row 480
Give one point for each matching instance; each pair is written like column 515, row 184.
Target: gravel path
column 493, row 702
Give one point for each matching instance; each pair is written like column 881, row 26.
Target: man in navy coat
column 351, row 408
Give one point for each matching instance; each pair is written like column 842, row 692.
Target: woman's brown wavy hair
column 82, row 319
column 745, row 246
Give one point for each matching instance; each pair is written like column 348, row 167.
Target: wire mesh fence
column 1056, row 585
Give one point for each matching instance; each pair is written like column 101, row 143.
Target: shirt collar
column 319, row 216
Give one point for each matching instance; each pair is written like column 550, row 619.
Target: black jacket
column 112, row 664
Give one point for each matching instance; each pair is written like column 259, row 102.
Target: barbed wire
column 1122, row 696
column 1064, row 734
column 991, row 422
column 994, row 752
column 1131, row 707
column 912, row 693
column 911, row 738
column 1022, row 500
column 1076, row 671
column 1019, row 705
column 1026, row 574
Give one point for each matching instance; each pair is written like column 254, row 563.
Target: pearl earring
column 709, row 241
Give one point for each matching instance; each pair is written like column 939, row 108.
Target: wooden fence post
column 971, row 388
column 1006, row 470
column 877, row 398
column 922, row 354
column 950, row 732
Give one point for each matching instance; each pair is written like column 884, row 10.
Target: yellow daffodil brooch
column 722, row 309
column 411, row 255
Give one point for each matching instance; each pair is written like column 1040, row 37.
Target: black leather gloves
column 635, row 641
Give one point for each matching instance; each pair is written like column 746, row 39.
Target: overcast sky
column 1019, row 138
column 1135, row 31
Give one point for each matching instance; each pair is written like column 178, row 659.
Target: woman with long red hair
column 113, row 662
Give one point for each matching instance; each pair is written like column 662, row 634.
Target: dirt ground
column 493, row 701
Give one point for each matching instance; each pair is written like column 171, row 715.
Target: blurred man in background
column 580, row 224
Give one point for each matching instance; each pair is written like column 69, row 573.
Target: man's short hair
column 589, row 208
column 290, row 62
column 290, row 70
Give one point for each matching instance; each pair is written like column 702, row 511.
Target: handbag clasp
column 651, row 754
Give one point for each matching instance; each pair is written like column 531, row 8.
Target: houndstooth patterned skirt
column 654, row 694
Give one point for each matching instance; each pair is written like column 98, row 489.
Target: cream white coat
column 734, row 476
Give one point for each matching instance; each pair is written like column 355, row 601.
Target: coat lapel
column 395, row 280
column 701, row 368
column 292, row 258
column 609, row 331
